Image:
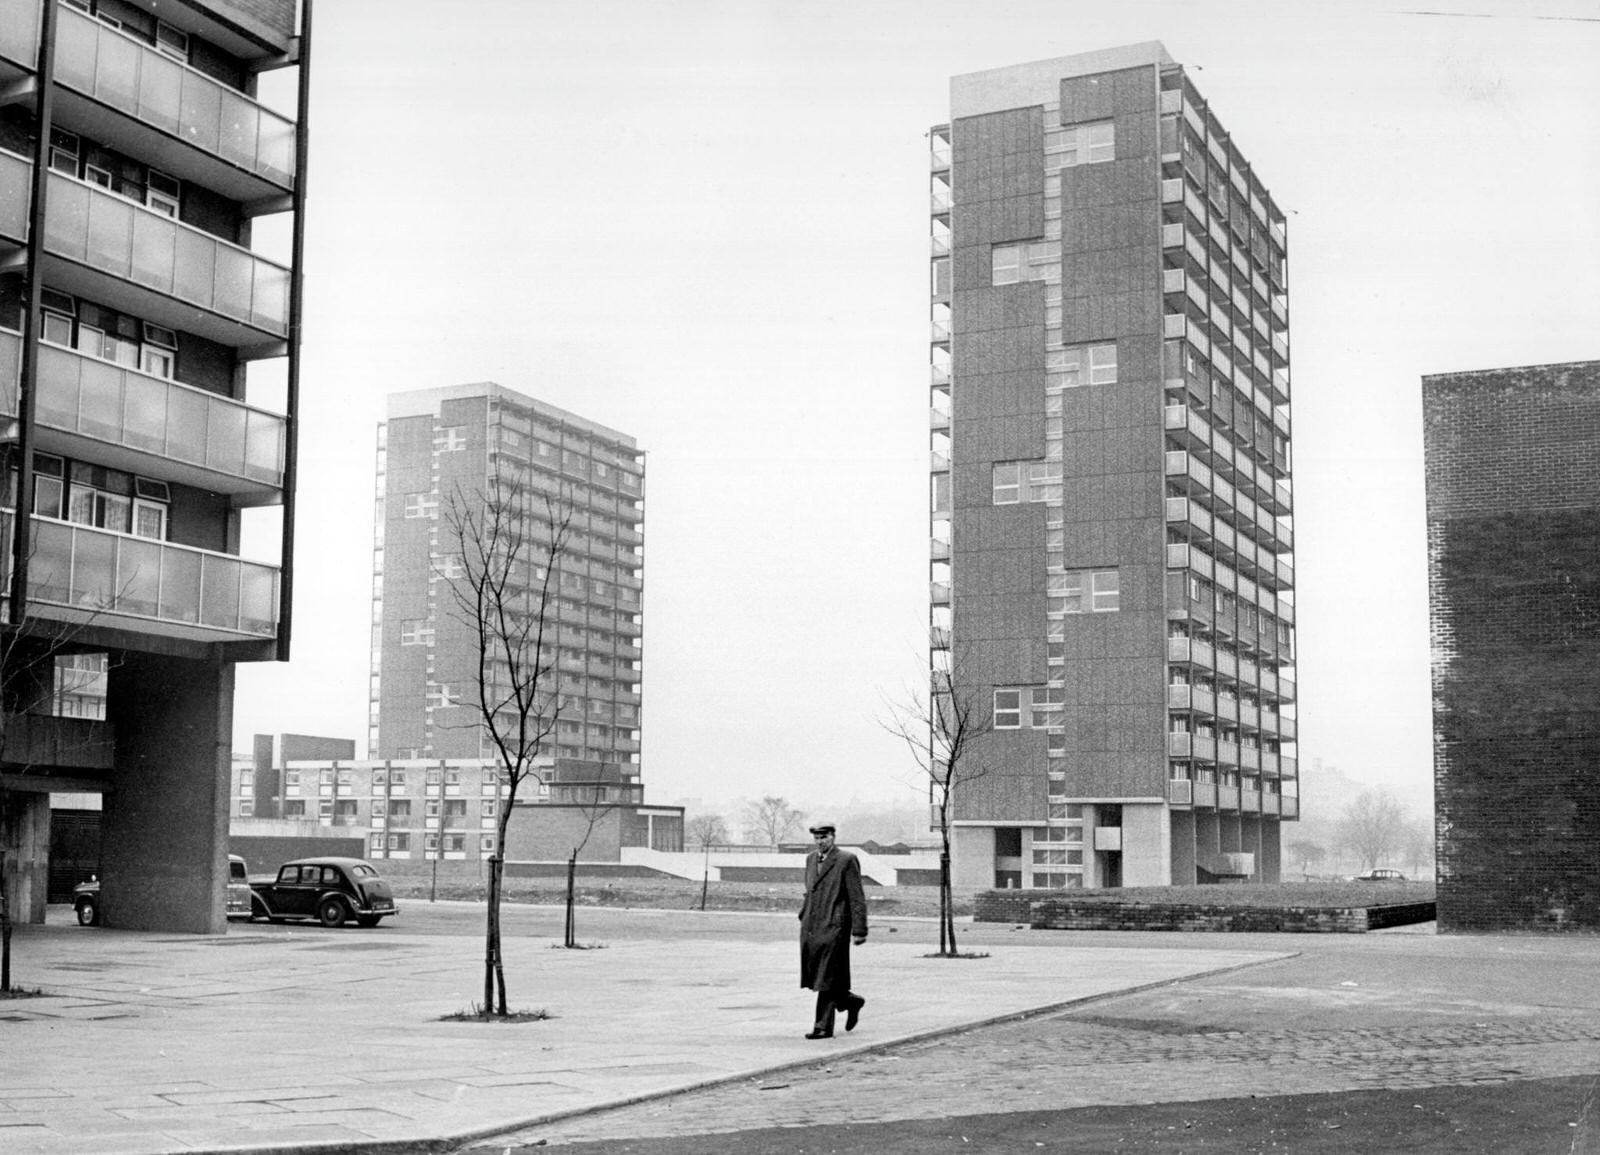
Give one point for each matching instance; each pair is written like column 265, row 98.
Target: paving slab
column 267, row 1040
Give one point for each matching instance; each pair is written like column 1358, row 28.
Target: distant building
column 1112, row 572
column 446, row 809
column 1513, row 506
column 458, row 443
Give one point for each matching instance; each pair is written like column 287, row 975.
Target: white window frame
column 1007, row 708
column 1005, row 264
column 1006, row 482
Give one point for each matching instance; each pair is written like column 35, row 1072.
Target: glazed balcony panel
column 131, row 257
column 19, row 32
column 152, row 426
column 192, row 124
column 105, row 578
column 15, row 175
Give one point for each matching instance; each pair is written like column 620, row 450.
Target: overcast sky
column 705, row 224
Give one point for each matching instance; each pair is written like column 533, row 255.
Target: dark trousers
column 828, row 1002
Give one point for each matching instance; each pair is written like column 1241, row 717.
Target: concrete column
column 1183, row 841
column 164, row 833
column 1270, row 865
column 972, row 858
column 1146, row 842
column 25, row 841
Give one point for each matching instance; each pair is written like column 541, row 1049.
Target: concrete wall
column 1146, row 835
column 164, row 838
column 25, row 841
column 1513, row 502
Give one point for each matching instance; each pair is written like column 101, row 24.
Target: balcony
column 185, row 122
column 105, row 247
column 120, row 417
column 152, row 587
column 1227, row 798
column 1186, row 426
column 1180, row 792
column 1250, row 801
column 1205, row 794
column 1291, row 807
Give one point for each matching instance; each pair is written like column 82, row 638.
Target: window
column 377, row 843
column 294, row 808
column 1026, row 261
column 1007, row 709
column 401, row 841
column 421, row 505
column 1044, row 706
column 1081, row 365
column 455, row 843
column 1006, row 264
column 161, row 192
column 1044, row 481
column 172, row 41
column 416, row 632
column 1007, row 481
column 1091, row 143
column 64, row 149
column 1085, row 591
column 486, row 844
column 452, row 439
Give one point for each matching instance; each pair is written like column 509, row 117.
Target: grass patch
column 683, row 894
column 476, row 1014
column 959, row 954
column 1316, row 895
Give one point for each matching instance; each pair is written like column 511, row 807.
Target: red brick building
column 1513, row 485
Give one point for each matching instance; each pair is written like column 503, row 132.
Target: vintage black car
column 331, row 890
column 86, row 895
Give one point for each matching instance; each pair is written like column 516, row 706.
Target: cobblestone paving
column 1080, row 1059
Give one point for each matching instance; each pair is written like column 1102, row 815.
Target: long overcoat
column 834, row 909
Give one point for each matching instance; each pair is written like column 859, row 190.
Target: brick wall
column 1044, row 913
column 1513, row 479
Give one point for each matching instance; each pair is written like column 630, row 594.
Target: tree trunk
column 491, row 950
column 572, row 880
column 947, row 924
column 5, row 900
column 705, row 881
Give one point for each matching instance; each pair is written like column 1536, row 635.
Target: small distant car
column 86, row 895
column 1380, row 876
column 331, row 890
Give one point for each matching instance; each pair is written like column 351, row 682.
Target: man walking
column 833, row 915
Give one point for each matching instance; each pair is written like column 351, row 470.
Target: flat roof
column 1025, row 85
column 427, row 402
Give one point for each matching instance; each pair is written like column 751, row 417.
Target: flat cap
column 822, row 828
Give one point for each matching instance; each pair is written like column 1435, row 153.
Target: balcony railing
column 112, row 67
column 87, row 224
column 120, row 406
column 97, row 573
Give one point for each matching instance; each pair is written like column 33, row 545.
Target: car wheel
column 368, row 920
column 331, row 911
column 88, row 913
column 258, row 911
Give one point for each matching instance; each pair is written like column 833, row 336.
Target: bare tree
column 1307, row 854
column 944, row 732
column 771, row 820
column 704, row 830
column 505, row 594
column 1420, row 847
column 1372, row 826
column 592, row 810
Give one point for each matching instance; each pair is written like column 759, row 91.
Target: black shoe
column 815, row 1034
column 853, row 1012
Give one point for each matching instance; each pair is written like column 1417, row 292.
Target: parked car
column 1379, row 876
column 331, row 890
column 86, row 895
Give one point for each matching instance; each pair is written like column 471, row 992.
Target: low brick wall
column 1070, row 914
